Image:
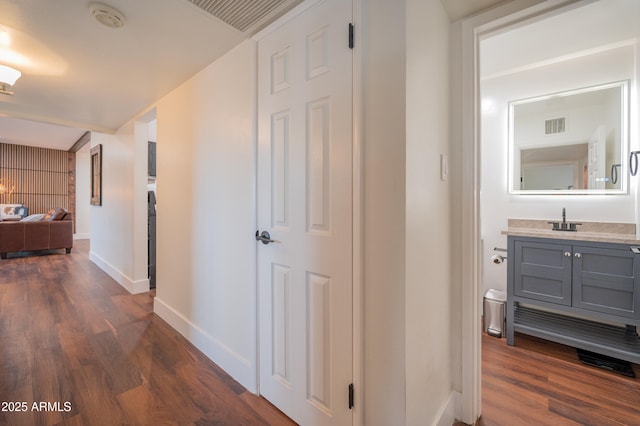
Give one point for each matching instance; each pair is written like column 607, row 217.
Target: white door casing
column 305, row 203
column 466, row 106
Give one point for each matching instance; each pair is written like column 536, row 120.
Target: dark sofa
column 55, row 232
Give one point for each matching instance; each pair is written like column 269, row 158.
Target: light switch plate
column 444, row 167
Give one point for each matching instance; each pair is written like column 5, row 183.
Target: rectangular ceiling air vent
column 246, row 15
column 554, row 125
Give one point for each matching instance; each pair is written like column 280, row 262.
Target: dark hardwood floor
column 76, row 349
column 86, row 352
column 537, row 382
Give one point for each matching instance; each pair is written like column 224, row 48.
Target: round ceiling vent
column 107, row 15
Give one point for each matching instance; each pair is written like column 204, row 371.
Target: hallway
column 77, row 349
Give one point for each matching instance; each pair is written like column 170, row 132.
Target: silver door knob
column 265, row 237
column 578, row 255
column 567, row 254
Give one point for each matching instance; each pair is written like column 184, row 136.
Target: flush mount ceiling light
column 4, row 37
column 107, row 15
column 8, row 77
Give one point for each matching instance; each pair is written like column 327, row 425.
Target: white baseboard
column 451, row 410
column 235, row 365
column 133, row 287
column 81, row 236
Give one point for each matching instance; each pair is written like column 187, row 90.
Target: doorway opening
column 151, row 205
column 145, row 196
column 526, row 54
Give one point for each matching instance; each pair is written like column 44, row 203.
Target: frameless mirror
column 573, row 142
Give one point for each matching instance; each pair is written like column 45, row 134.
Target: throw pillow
column 7, row 211
column 60, row 213
column 56, row 213
column 21, row 211
column 33, row 218
column 48, row 215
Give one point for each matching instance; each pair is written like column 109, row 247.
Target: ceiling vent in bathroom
column 554, row 125
column 248, row 16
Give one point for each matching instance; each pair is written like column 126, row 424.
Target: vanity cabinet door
column 605, row 280
column 543, row 271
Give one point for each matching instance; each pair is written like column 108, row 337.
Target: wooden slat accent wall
column 44, row 178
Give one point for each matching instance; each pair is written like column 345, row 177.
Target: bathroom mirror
column 573, row 142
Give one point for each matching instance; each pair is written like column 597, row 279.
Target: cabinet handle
column 567, row 254
column 578, row 255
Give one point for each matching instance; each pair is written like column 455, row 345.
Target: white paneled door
column 305, row 204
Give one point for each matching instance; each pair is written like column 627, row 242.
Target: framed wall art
column 96, row 175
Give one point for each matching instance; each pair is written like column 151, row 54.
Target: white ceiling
column 597, row 26
column 34, row 133
column 77, row 72
column 458, row 9
column 79, row 75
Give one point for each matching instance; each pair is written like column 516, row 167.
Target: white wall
column 83, row 195
column 205, row 265
column 152, row 129
column 118, row 234
column 429, row 383
column 383, row 51
column 206, row 250
column 206, row 212
column 496, row 204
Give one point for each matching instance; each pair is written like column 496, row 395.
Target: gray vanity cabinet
column 542, row 271
column 606, row 280
column 580, row 293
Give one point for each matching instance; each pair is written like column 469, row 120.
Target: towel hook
column 614, row 173
column 633, row 162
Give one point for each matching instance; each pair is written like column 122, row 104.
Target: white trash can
column 494, row 313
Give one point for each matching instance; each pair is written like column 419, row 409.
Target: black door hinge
column 350, row 396
column 350, row 35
